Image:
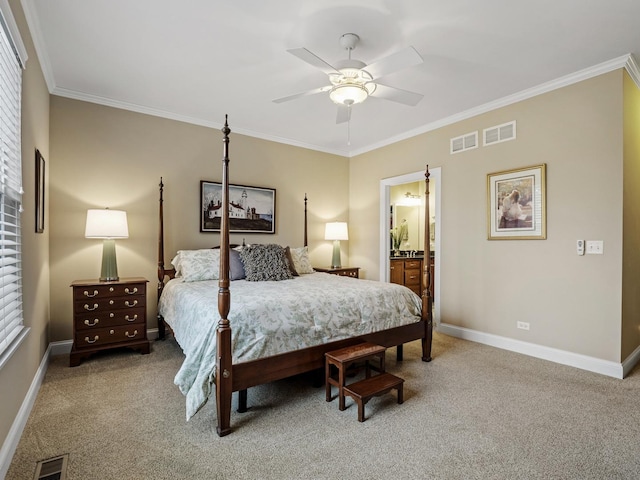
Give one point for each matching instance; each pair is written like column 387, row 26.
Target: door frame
column 385, row 199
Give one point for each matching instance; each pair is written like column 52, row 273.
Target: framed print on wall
column 251, row 209
column 517, row 204
column 40, row 165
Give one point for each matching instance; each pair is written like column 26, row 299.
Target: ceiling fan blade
column 408, row 57
column 303, row 94
column 344, row 114
column 397, row 95
column 313, row 59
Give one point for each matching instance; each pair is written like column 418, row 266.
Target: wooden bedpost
column 427, row 301
column 161, row 327
column 305, row 220
column 224, row 384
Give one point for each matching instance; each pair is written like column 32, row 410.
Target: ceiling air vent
column 464, row 142
column 52, row 469
column 500, row 133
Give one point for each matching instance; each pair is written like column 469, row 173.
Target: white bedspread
column 269, row 318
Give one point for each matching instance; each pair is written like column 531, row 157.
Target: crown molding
column 633, row 70
column 625, row 61
column 108, row 102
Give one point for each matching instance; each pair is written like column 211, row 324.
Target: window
column 11, row 319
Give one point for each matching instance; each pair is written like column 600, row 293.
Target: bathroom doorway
column 402, row 198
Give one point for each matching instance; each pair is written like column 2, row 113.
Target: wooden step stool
column 344, row 357
column 364, row 390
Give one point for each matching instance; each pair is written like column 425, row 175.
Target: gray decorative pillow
column 265, row 263
column 292, row 267
column 235, row 266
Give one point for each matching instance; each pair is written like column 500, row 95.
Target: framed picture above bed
column 251, row 209
column 517, row 204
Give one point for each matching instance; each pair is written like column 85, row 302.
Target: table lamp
column 108, row 225
column 336, row 231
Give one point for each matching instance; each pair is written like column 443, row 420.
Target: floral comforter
column 269, row 318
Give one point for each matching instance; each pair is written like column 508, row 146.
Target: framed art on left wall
column 40, row 205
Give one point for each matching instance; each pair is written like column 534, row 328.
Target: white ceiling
column 197, row 60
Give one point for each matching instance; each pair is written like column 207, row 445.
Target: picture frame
column 516, row 204
column 252, row 209
column 40, row 188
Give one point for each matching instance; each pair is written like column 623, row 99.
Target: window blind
column 11, row 316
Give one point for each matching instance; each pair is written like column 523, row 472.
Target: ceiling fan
column 353, row 81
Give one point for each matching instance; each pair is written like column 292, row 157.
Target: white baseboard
column 13, row 438
column 630, row 362
column 596, row 365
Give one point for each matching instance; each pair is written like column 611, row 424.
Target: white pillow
column 197, row 265
column 300, row 257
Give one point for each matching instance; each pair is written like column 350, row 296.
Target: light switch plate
column 595, row 247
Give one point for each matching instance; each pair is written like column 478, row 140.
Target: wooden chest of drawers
column 342, row 271
column 407, row 272
column 108, row 315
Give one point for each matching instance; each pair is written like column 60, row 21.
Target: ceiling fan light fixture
column 348, row 94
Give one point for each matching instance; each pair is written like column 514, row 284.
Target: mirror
column 407, row 215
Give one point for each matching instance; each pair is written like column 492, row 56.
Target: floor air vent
column 52, row 469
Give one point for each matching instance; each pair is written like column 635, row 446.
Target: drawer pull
column 111, row 332
column 111, row 315
column 87, row 307
column 131, row 292
column 131, row 319
column 111, row 289
column 87, row 294
column 110, row 302
column 135, row 332
column 95, row 339
column 135, row 302
column 95, row 322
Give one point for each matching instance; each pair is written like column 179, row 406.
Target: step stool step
column 355, row 352
column 364, row 390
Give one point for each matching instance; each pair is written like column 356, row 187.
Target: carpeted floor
column 474, row 412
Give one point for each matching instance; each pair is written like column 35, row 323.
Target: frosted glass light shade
column 336, row 231
column 348, row 94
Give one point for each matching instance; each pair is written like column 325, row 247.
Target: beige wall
column 631, row 218
column 106, row 157
column 100, row 156
column 16, row 376
column 572, row 303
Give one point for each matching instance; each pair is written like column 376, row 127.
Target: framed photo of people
column 516, row 203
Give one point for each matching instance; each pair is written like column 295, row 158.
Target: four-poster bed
column 226, row 363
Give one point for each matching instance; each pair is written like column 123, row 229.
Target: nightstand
column 342, row 271
column 108, row 315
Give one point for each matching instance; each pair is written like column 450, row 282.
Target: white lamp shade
column 106, row 223
column 336, row 231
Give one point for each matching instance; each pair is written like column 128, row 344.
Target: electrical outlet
column 595, row 247
column 580, row 247
column 523, row 325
